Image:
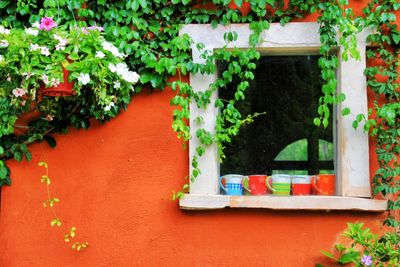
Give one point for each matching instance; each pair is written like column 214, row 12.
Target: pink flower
column 47, row 24
column 49, row 117
column 17, row 92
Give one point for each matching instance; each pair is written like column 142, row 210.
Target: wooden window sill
column 205, row 202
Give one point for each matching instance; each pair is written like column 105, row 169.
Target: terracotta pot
column 244, row 9
column 63, row 89
column 21, row 125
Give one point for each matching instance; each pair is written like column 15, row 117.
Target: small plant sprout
column 50, row 203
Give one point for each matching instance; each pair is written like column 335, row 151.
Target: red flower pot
column 63, row 89
column 244, row 9
column 21, row 125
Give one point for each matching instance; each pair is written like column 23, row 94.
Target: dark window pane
column 287, row 88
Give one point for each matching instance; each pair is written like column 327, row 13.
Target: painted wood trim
column 205, row 202
column 352, row 144
column 293, row 38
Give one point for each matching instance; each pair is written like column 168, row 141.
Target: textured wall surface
column 115, row 181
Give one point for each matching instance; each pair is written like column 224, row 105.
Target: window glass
column 284, row 140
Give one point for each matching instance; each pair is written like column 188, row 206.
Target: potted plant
column 47, row 61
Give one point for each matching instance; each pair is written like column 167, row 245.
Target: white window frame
column 352, row 152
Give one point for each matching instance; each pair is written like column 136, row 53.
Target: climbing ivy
column 147, row 31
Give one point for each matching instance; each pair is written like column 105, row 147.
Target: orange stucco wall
column 115, row 181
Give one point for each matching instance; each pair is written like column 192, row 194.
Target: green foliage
column 367, row 248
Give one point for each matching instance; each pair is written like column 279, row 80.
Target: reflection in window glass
column 295, row 151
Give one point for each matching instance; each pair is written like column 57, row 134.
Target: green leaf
column 3, row 4
column 50, row 141
column 238, row 2
column 352, row 256
column 345, row 111
column 396, row 38
column 55, row 222
column 317, row 122
column 43, row 164
column 329, row 255
column 143, row 3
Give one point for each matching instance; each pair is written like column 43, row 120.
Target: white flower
column 55, row 82
column 112, row 49
column 17, row 92
column 130, row 77
column 32, row 31
column 117, row 85
column 49, row 117
column 122, row 70
column 34, row 47
column 1, row 58
column 3, row 43
column 100, row 54
column 112, row 68
column 27, row 74
column 84, row 78
column 4, row 30
column 9, row 79
column 45, row 51
column 62, row 42
column 57, row 37
column 36, row 25
column 109, row 106
column 60, row 47
column 45, row 79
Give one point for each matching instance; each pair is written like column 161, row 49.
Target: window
column 284, row 140
column 352, row 153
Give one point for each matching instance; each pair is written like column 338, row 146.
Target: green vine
column 56, row 221
column 147, row 32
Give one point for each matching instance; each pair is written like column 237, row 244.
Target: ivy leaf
column 238, row 3
column 143, row 3
column 50, row 141
column 396, row 38
column 345, row 111
column 3, row 4
column 317, row 122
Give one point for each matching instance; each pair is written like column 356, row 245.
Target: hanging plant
column 46, row 61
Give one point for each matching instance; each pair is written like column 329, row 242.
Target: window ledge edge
column 207, row 202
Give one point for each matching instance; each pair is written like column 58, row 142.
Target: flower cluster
column 18, row 92
column 112, row 49
column 47, row 61
column 32, row 31
column 62, row 42
column 44, row 50
column 53, row 82
column 123, row 71
column 84, row 78
column 4, row 30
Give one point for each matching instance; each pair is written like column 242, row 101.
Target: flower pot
column 244, row 9
column 21, row 125
column 63, row 89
